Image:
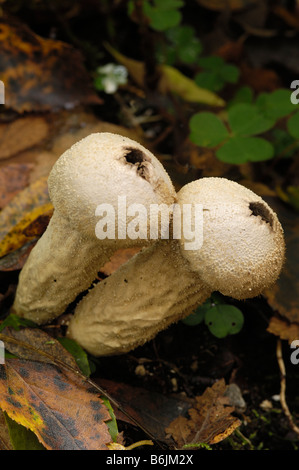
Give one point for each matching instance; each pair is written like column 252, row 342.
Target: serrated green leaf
column 207, row 130
column 293, row 125
column 245, row 120
column 223, row 320
column 240, row 150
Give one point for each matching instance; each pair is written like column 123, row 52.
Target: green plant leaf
column 275, row 105
column 209, row 80
column 78, row 353
column 223, row 320
column 245, row 120
column 112, row 424
column 22, row 438
column 240, row 150
column 197, row 317
column 163, row 14
column 16, row 322
column 212, row 63
column 242, row 95
column 230, row 73
column 181, row 45
column 293, row 125
column 207, row 130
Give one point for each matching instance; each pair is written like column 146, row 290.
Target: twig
column 283, row 387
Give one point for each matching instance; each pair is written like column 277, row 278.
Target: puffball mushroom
column 68, row 256
column 242, row 253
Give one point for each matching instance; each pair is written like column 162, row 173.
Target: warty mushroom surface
column 66, row 259
column 241, row 255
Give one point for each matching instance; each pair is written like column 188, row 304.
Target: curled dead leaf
column 210, row 419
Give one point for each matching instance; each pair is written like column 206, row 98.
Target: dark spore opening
column 259, row 209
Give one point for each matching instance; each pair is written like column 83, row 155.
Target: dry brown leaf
column 220, row 5
column 119, row 257
column 33, row 196
column 283, row 329
column 36, row 345
column 41, row 74
column 210, row 419
column 13, row 178
column 21, row 134
column 5, row 443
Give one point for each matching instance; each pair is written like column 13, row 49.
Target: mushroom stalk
column 92, row 173
column 242, row 253
column 152, row 290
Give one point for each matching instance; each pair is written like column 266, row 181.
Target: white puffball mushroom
column 242, row 254
column 65, row 261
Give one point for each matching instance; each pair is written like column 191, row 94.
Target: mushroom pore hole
column 137, row 158
column 259, row 209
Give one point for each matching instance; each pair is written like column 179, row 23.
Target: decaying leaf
column 13, row 178
column 21, row 134
column 36, row 345
column 56, row 405
column 15, row 260
column 5, row 442
column 283, row 329
column 33, row 196
column 220, row 5
column 32, row 225
column 171, row 80
column 210, row 419
column 41, row 74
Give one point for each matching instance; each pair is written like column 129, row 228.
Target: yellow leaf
column 171, row 80
column 17, row 236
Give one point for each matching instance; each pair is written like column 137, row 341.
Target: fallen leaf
column 57, row 406
column 41, row 74
column 15, row 260
column 13, row 178
column 283, row 329
column 118, row 258
column 21, row 134
column 5, row 442
column 171, row 80
column 33, row 196
column 32, row 225
column 210, row 419
column 36, row 345
column 153, row 410
column 220, row 5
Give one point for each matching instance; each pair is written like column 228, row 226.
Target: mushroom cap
column 98, row 169
column 243, row 248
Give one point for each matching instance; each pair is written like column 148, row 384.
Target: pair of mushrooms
column 242, row 251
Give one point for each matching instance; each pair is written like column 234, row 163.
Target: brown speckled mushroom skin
column 68, row 256
column 242, row 254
